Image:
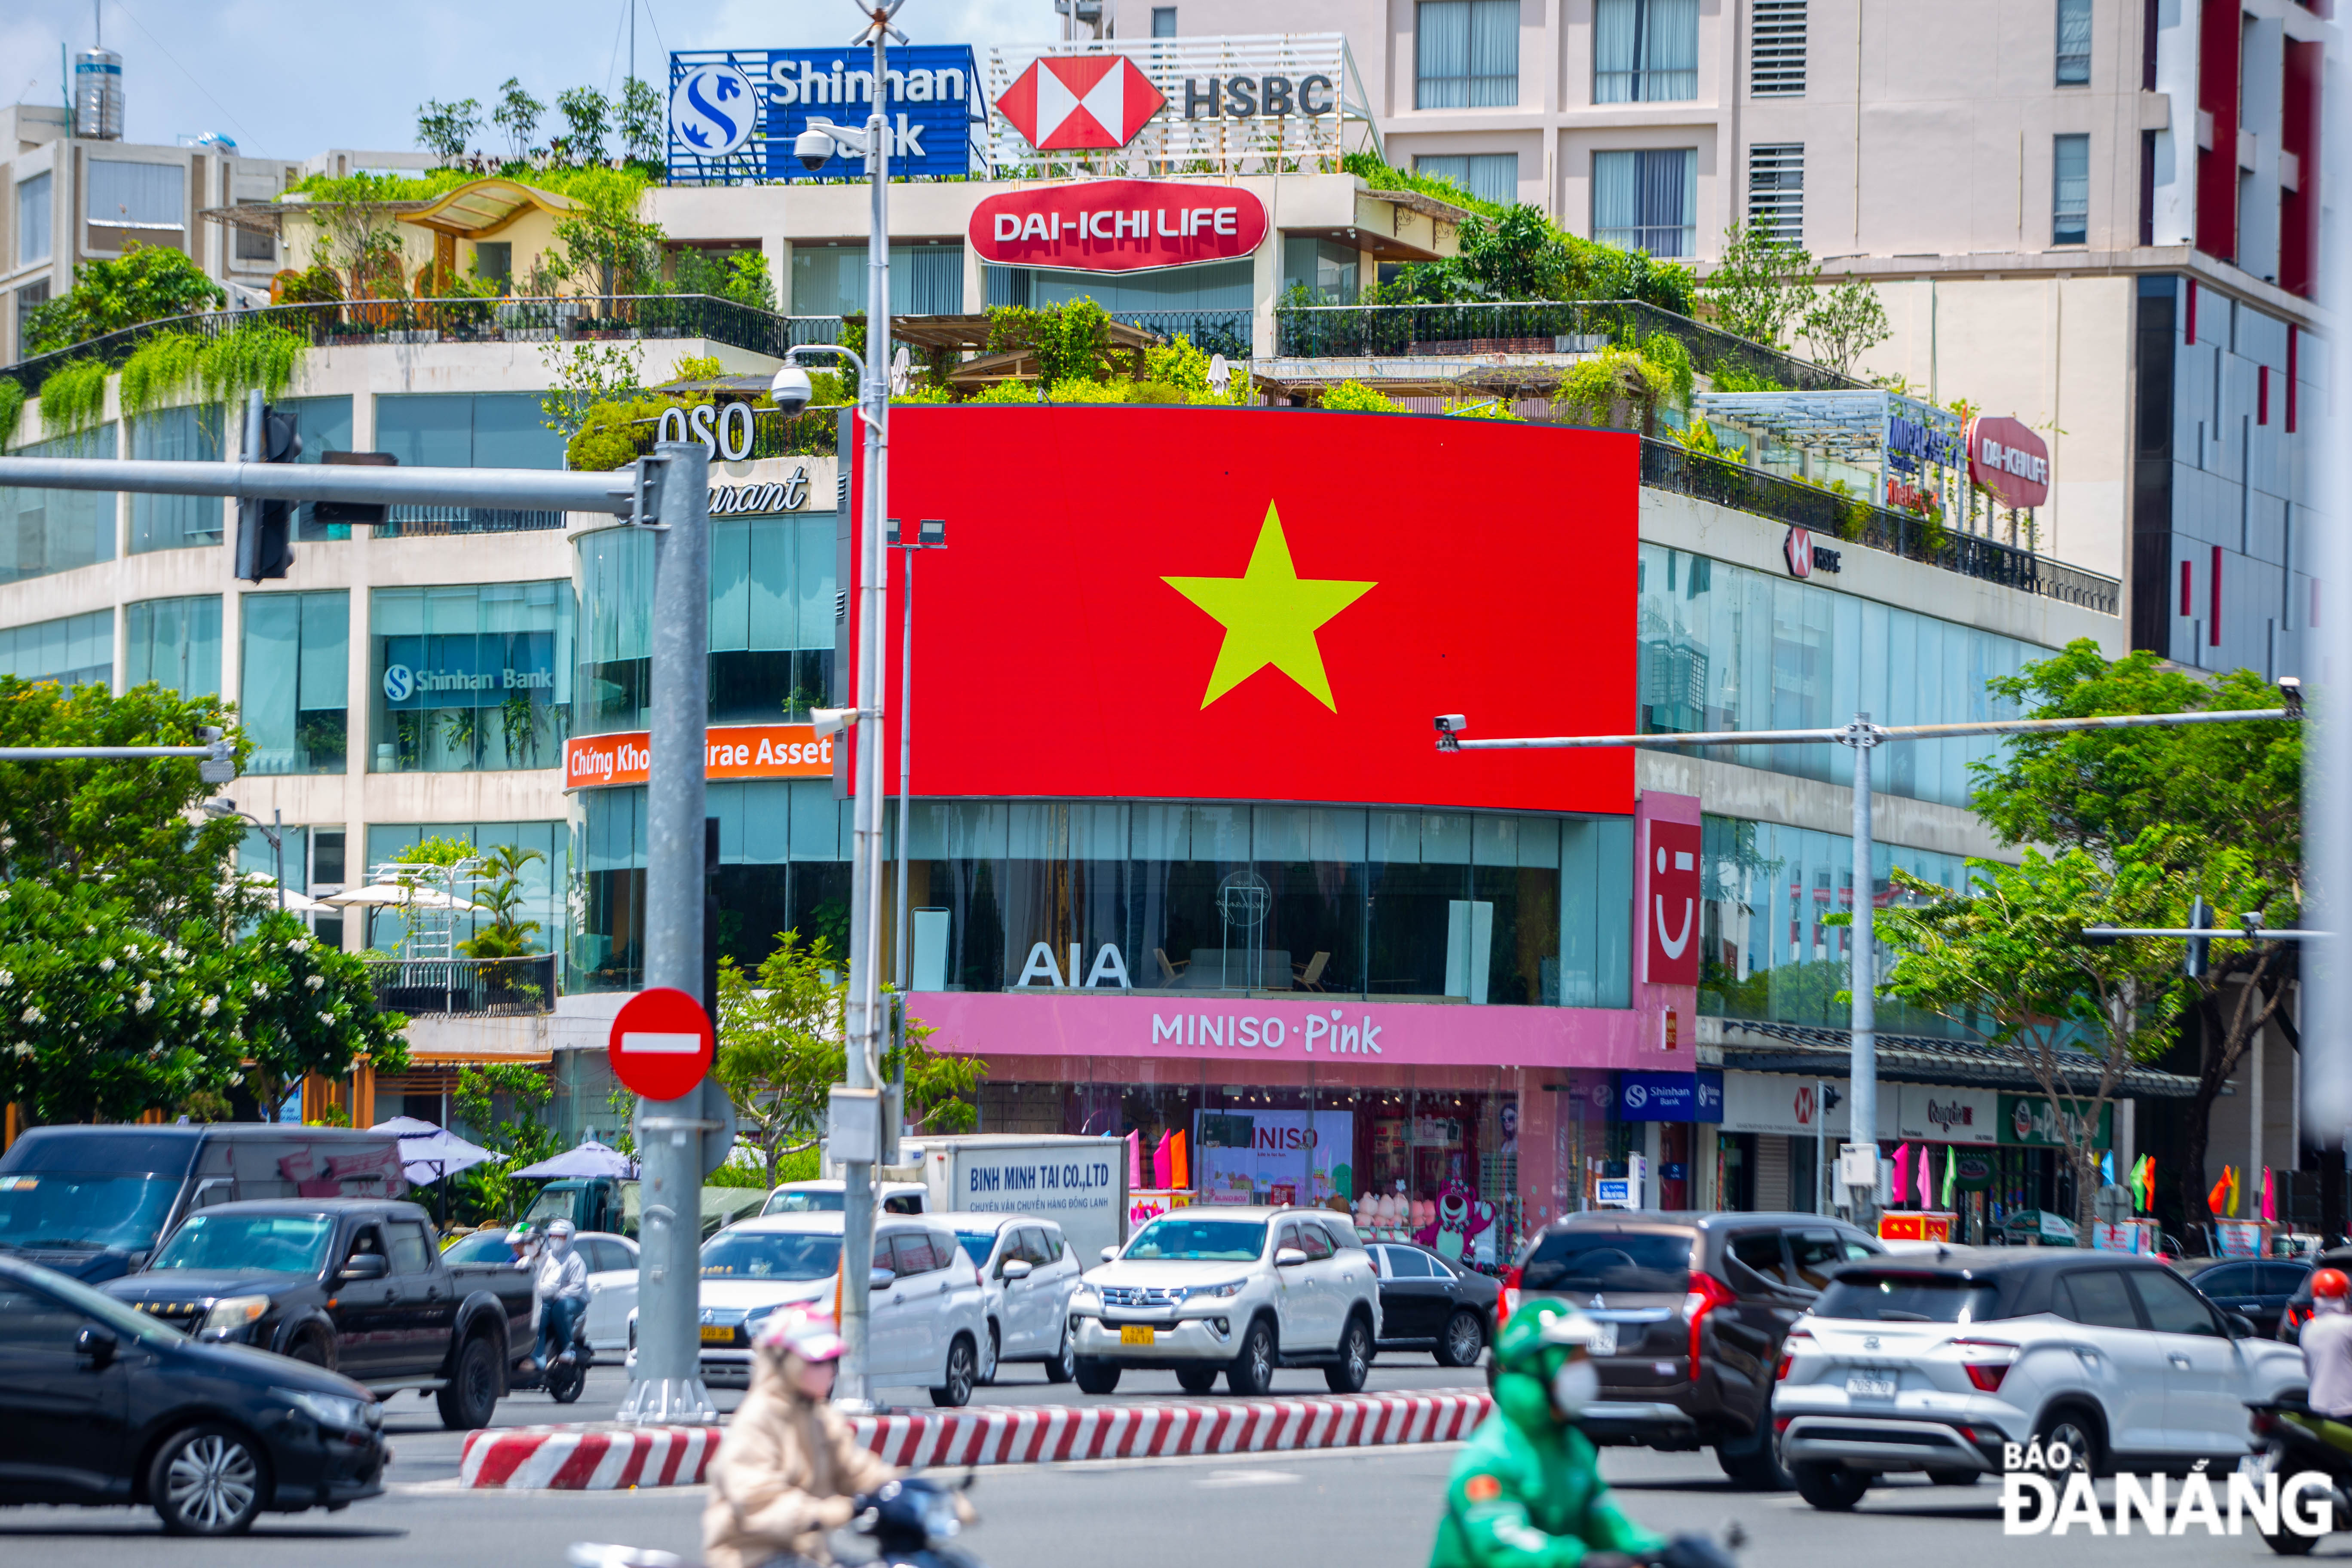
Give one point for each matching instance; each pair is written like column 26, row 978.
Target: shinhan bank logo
column 399, row 682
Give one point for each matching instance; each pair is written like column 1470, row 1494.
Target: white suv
column 1938, row 1363
column 1239, row 1291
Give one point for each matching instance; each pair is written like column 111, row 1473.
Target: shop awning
column 482, row 207
column 1824, row 1052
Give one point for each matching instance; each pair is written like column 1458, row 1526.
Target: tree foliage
column 587, row 116
column 638, row 119
column 1843, row 323
column 499, row 1103
column 517, row 114
column 1760, row 285
column 445, row 129
column 147, row 283
column 601, row 245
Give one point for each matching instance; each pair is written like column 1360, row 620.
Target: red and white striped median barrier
column 609, row 1457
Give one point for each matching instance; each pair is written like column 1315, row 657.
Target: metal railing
column 567, row 319
column 1493, row 327
column 1225, row 333
column 457, row 986
column 440, row 521
column 1668, row 466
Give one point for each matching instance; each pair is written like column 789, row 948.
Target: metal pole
column 668, row 1382
column 1863, row 1114
column 278, row 853
column 863, row 1022
column 904, row 967
column 1821, row 1142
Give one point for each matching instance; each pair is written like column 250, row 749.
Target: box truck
column 1079, row 1184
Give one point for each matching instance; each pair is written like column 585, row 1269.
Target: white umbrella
column 428, row 1152
column 296, row 903
column 399, row 895
column 590, row 1159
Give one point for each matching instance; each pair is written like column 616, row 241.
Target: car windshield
column 482, row 1247
column 977, row 1245
column 1169, row 1239
column 1597, row 1259
column 242, row 1243
column 748, row 1255
column 84, row 1208
column 803, row 1202
column 1887, row 1297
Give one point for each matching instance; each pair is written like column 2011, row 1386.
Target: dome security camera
column 814, row 149
column 792, row 389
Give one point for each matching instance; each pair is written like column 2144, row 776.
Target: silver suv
column 1237, row 1290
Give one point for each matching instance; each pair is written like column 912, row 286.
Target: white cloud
column 290, row 78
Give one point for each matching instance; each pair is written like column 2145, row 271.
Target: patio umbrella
column 590, row 1159
column 296, row 903
column 398, row 895
column 428, row 1152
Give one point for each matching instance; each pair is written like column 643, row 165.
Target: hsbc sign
column 1080, row 102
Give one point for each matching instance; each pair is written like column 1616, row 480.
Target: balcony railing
column 1225, row 333
column 1669, row 466
column 568, row 319
column 1575, row 326
column 455, row 986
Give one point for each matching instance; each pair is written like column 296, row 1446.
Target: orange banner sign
column 736, row 752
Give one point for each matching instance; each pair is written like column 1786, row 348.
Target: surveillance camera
column 831, row 720
column 814, row 148
column 792, row 389
column 1452, row 723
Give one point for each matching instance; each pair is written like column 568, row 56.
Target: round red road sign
column 661, row 1043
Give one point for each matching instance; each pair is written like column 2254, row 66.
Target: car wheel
column 964, row 1370
column 208, row 1481
column 1197, row 1379
column 471, row 1396
column 1753, row 1463
column 1464, row 1341
column 312, row 1350
column 995, row 1357
column 1097, row 1376
column 1953, row 1478
column 1355, row 1362
column 1251, row 1372
column 1827, row 1485
column 1065, row 1365
column 2079, row 1431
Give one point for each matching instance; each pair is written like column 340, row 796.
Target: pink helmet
column 805, row 1334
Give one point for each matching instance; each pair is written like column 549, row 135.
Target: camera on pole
column 265, row 528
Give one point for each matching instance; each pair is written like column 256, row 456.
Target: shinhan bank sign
column 734, row 112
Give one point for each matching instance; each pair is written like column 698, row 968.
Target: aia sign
column 1118, row 226
column 1670, row 952
column 1078, row 103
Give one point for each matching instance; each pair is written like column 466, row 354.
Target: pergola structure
column 1899, row 438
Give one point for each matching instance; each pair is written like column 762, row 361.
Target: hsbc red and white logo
column 1074, row 103
column 1798, row 550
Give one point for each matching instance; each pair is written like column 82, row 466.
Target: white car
column 1938, row 1364
column 1030, row 1274
column 612, row 1276
column 827, row 1196
column 928, row 1315
column 1238, row 1290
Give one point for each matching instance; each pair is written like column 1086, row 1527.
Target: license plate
column 1604, row 1338
column 1866, row 1385
column 713, row 1334
column 1135, row 1333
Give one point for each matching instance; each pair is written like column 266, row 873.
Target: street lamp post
column 273, row 830
column 931, row 534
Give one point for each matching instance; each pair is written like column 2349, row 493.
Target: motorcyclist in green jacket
column 1526, row 1491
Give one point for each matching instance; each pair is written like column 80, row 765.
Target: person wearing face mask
column 789, row 1472
column 2328, row 1344
column 560, row 1285
column 1527, row 1491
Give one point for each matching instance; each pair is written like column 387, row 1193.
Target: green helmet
column 1537, row 1338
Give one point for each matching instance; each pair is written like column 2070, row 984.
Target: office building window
column 141, row 204
column 1645, row 51
column 1466, row 53
column 1776, row 49
column 324, row 425
column 1163, row 21
column 1776, row 190
column 174, row 643
column 176, row 523
column 2074, row 42
column 493, row 261
column 468, row 679
column 296, row 669
column 43, row 532
column 77, row 650
column 253, row 244
column 466, row 430
column 545, row 875
column 1326, row 268
column 2069, row 190
column 1647, row 200
column 1489, row 177
column 830, row 279
column 30, row 298
column 33, row 242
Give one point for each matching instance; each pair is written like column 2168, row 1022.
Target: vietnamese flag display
column 1228, row 603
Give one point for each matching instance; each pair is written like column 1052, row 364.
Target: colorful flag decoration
column 2218, row 1200
column 1160, row 1162
column 1926, row 1191
column 1902, row 1191
column 1134, row 1160
column 2270, row 1207
column 2108, row 1166
column 2137, row 1182
column 1951, row 1176
column 2148, row 1183
column 2237, row 1188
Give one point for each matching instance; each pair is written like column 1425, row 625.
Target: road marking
column 1222, row 1479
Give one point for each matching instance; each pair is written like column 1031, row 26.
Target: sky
column 352, row 76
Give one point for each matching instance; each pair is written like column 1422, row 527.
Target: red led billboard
column 1264, row 605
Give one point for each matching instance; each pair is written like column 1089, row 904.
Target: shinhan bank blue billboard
column 734, row 112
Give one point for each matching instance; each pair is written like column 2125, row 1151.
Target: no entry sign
column 661, row 1043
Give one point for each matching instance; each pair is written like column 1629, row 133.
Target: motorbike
column 910, row 1522
column 2294, row 1437
column 562, row 1380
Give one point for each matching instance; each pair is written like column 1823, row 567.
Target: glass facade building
column 175, row 642
column 42, row 531
column 296, row 663
column 470, row 679
column 74, row 650
column 176, row 523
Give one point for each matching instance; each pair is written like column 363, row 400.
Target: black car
column 1698, row 1305
column 1430, row 1304
column 102, row 1405
column 2256, row 1289
column 2297, row 1310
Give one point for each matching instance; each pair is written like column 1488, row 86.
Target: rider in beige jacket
column 785, row 1474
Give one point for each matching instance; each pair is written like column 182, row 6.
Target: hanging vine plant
column 11, row 407
column 73, row 397
column 158, row 370
column 255, row 357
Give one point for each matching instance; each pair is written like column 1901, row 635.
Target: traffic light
column 2200, row 916
column 265, row 528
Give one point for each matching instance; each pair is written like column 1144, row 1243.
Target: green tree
column 582, row 375
column 445, row 129
column 2234, row 792
column 2006, row 962
column 300, row 1006
column 639, row 120
column 508, row 935
column 588, row 114
column 1760, row 285
column 1843, row 323
column 517, row 115
column 601, row 244
column 741, row 276
column 147, row 283
column 500, row 1102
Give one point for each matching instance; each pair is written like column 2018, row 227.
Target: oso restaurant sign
column 1118, row 226
column 734, row 112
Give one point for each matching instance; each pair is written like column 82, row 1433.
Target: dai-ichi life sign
column 1118, row 226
